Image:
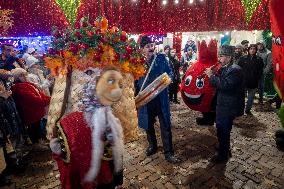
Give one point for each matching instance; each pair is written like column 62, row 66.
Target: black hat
column 167, row 47
column 144, row 41
column 226, row 50
column 244, row 42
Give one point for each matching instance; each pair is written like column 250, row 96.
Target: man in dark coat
column 159, row 106
column 245, row 45
column 174, row 86
column 10, row 128
column 238, row 53
column 252, row 66
column 266, row 56
column 228, row 82
column 7, row 60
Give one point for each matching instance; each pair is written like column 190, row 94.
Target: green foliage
column 281, row 115
column 267, row 37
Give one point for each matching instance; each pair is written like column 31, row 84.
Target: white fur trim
column 118, row 146
column 97, row 122
column 98, row 127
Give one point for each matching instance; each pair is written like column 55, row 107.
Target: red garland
column 138, row 17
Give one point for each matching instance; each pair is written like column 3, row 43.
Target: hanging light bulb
column 176, row 1
column 190, row 1
column 164, row 2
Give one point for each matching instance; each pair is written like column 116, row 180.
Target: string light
column 40, row 43
column 51, row 14
column 164, row 2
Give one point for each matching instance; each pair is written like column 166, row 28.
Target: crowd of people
column 24, row 99
column 244, row 68
column 26, row 86
column 254, row 59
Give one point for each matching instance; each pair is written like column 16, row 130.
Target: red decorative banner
column 140, row 16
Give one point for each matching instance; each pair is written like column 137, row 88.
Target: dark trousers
column 173, row 91
column 34, row 132
column 224, row 127
column 209, row 116
column 43, row 128
column 154, row 110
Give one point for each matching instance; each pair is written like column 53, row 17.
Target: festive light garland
column 40, row 43
column 250, row 7
column 137, row 16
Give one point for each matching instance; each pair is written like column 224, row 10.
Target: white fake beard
column 97, row 122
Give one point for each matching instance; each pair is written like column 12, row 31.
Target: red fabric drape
column 260, row 15
column 145, row 16
column 140, row 16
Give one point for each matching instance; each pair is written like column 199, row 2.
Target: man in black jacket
column 174, row 86
column 228, row 82
column 252, row 66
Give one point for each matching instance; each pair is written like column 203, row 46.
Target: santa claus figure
column 89, row 146
column 31, row 103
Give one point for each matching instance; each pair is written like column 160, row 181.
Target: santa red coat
column 75, row 163
column 30, row 101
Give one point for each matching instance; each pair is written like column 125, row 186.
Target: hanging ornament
column 6, row 21
column 250, row 7
column 70, row 8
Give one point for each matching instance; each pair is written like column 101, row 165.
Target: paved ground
column 256, row 162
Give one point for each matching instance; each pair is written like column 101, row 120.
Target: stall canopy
column 139, row 16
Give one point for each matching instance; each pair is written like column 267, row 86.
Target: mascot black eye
column 187, row 80
column 200, row 83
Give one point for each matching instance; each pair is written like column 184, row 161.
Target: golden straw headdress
column 94, row 46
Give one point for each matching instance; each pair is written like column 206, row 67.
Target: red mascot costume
column 196, row 91
column 277, row 28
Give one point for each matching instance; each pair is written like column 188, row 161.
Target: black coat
column 253, row 69
column 175, row 65
column 10, row 122
column 230, row 91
